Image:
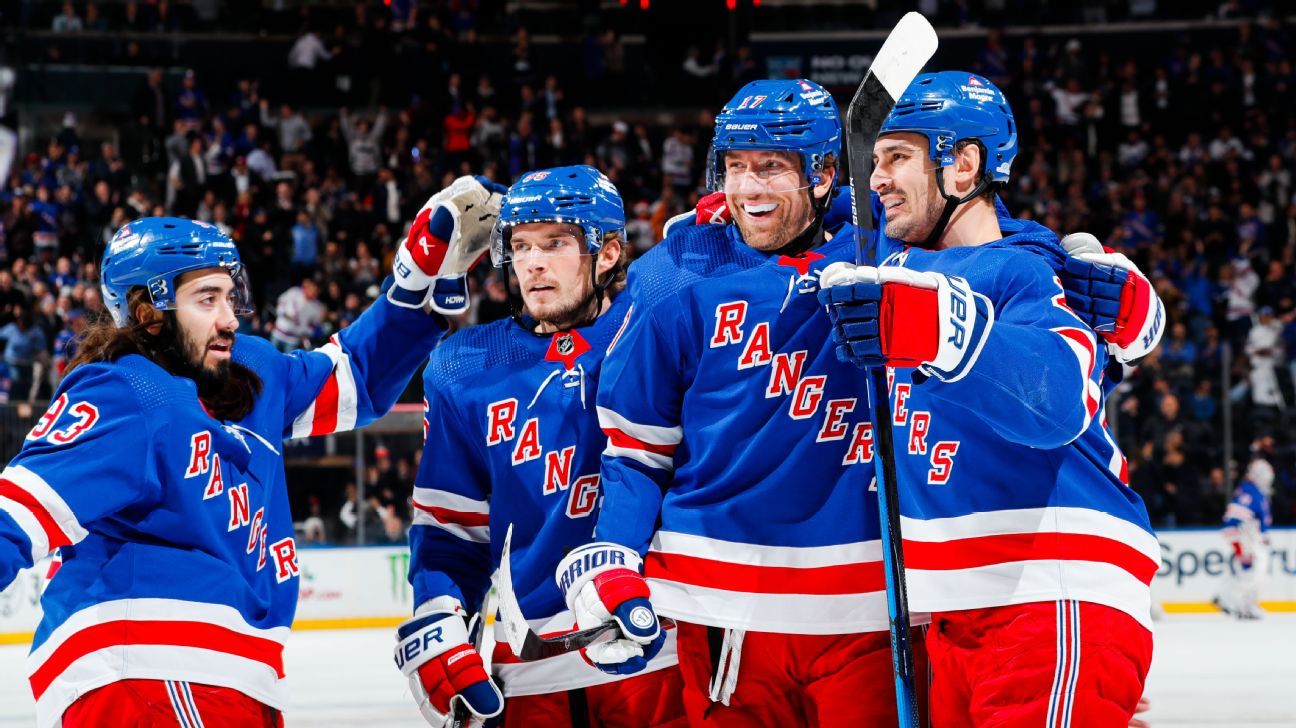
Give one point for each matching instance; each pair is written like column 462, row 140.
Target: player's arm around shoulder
column 90, row 455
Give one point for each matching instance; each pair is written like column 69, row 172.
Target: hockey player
column 157, row 474
column 733, row 436
column 1246, row 527
column 1021, row 536
column 737, row 436
column 512, row 438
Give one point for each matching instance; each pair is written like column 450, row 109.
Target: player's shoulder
column 132, row 385
column 255, row 353
column 687, row 256
column 470, row 353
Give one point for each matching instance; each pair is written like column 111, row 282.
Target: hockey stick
column 902, row 56
column 526, row 644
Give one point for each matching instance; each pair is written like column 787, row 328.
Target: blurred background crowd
column 1165, row 128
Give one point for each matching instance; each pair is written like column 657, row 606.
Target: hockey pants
column 1056, row 664
column 168, row 703
column 647, row 700
column 794, row 680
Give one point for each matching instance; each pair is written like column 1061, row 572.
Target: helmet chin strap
column 951, row 203
column 813, row 236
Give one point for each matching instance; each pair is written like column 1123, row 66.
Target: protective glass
column 162, row 289
column 772, row 174
column 505, row 249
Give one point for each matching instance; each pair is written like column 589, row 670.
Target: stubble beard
column 792, row 225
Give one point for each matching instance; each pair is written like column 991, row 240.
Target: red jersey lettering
column 86, row 414
column 861, row 446
column 757, row 351
column 584, row 494
column 47, row 420
column 806, row 400
column 199, row 454
column 216, row 483
column 558, row 469
column 528, row 444
column 729, row 321
column 901, row 415
column 499, row 421
column 918, row 433
column 942, row 462
column 834, row 412
column 785, row 373
column 240, row 512
column 285, row 557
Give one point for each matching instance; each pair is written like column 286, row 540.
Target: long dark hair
column 159, row 340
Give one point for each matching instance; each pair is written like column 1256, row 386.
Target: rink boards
column 366, row 587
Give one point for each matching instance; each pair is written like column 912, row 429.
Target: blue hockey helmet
column 578, row 194
column 950, row 106
column 787, row 115
column 153, row 252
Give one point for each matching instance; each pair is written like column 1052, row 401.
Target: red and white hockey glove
column 1111, row 295
column 905, row 318
column 711, row 209
column 601, row 583
column 449, row 235
column 432, row 650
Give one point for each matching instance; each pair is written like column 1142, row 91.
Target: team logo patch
column 641, row 617
column 567, row 347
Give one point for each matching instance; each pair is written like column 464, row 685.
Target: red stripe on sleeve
column 54, row 534
column 459, row 518
column 326, row 408
column 620, row 439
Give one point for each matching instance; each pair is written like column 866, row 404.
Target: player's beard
column 188, row 358
column 571, row 312
column 791, row 224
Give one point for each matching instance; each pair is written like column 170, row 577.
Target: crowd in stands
column 1185, row 165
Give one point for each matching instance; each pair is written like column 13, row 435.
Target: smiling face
column 552, row 264
column 902, row 178
column 204, row 308
column 767, row 195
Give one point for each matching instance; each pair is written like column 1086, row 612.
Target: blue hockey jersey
column 174, row 529
column 512, row 438
column 739, row 449
column 1011, row 488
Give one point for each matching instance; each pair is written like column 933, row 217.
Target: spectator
column 67, row 21
column 298, row 316
column 25, row 349
column 307, row 51
column 363, row 150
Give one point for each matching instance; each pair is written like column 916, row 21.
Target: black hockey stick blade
column 902, row 56
column 523, row 640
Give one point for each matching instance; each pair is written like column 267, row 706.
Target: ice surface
column 1208, row 670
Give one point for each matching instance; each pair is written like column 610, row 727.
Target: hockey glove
column 432, row 650
column 904, row 318
column 601, row 583
column 711, row 209
column 1110, row 294
column 449, row 235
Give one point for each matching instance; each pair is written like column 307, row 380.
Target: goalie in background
column 1246, row 526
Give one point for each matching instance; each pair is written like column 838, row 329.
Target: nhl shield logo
column 565, row 345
